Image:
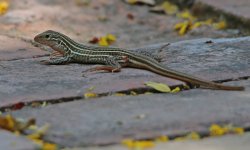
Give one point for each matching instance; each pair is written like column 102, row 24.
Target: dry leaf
column 220, row 25
column 11, row 124
column 183, row 27
column 216, row 130
column 193, row 136
column 4, row 5
column 107, row 40
column 175, row 90
column 90, row 95
column 186, row 15
column 103, row 42
column 148, row 2
column 158, row 86
column 167, row 8
column 120, row 94
column 162, row 138
column 82, row 2
column 140, row 145
column 94, row 40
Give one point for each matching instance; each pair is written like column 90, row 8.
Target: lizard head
column 52, row 39
column 49, row 38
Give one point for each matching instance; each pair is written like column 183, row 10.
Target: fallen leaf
column 216, row 130
column 162, row 138
column 17, row 106
column 158, row 86
column 82, row 2
column 220, row 25
column 175, row 90
column 110, row 38
column 183, row 27
column 193, row 136
column 103, row 41
column 94, row 40
column 90, row 95
column 107, row 40
column 4, row 5
column 39, row 133
column 133, row 93
column 11, row 124
column 138, row 145
column 166, row 7
column 148, row 2
column 186, row 14
column 130, row 16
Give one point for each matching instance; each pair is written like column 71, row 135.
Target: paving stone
column 238, row 12
column 228, row 142
column 238, row 8
column 13, row 48
column 110, row 119
column 9, row 141
column 26, row 19
column 28, row 80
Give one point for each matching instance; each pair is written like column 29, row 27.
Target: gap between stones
column 138, row 91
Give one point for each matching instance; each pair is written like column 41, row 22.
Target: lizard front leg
column 57, row 61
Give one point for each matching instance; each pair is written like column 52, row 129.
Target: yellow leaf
column 3, row 7
column 169, row 8
column 131, row 1
column 138, row 144
column 39, row 133
column 238, row 130
column 186, row 15
column 158, row 86
column 49, row 146
column 193, row 136
column 111, row 37
column 220, row 25
column 90, row 95
column 133, row 93
column 175, row 90
column 162, row 139
column 196, row 25
column 103, row 41
column 82, row 2
column 128, row 142
column 180, row 139
column 185, row 26
column 208, row 22
column 216, row 130
column 166, row 7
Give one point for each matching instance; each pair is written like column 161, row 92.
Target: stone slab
column 239, row 8
column 27, row 80
column 9, row 141
column 96, row 19
column 228, row 142
column 237, row 13
column 108, row 120
column 14, row 48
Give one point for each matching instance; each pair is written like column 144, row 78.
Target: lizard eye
column 47, row 36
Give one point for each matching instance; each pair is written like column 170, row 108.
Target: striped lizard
column 114, row 59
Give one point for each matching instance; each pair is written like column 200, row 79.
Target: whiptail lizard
column 114, row 59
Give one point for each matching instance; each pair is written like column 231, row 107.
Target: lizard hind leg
column 111, row 65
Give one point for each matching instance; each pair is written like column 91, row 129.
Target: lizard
column 113, row 59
